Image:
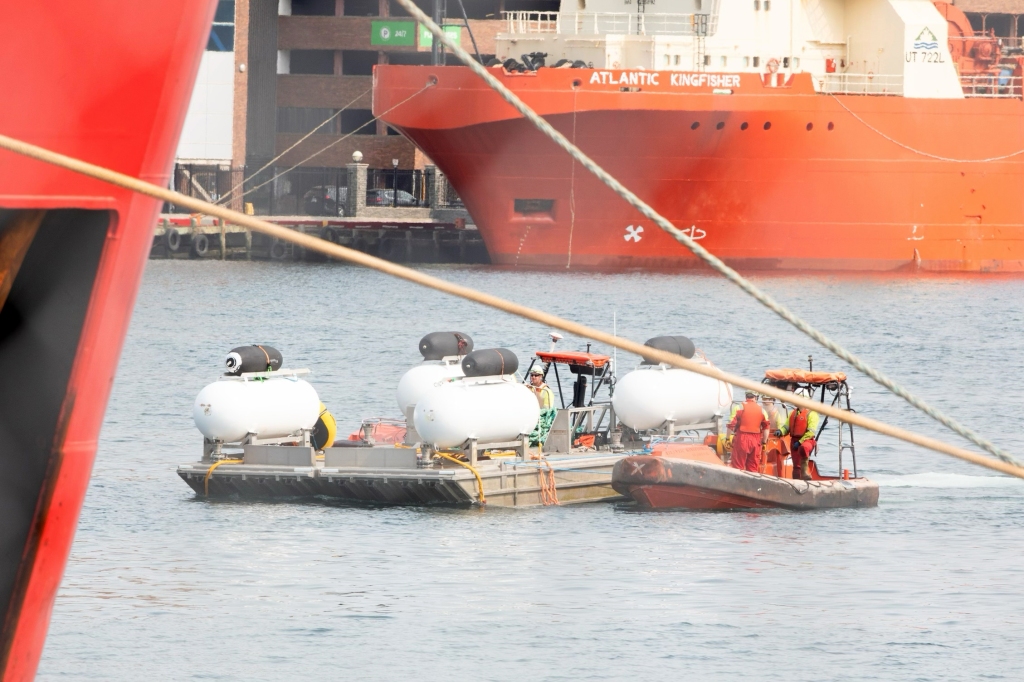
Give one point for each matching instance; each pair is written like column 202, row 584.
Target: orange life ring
column 773, row 65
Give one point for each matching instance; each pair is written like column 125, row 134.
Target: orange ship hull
column 766, row 175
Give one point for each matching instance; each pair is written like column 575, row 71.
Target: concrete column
column 432, row 177
column 355, row 200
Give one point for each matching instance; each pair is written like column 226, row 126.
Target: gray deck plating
column 507, row 482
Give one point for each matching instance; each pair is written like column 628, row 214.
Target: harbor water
column 163, row 585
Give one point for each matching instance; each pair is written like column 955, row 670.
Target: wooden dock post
column 223, row 240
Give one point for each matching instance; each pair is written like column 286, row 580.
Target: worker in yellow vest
column 803, row 428
column 546, row 402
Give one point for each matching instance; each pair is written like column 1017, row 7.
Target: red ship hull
column 107, row 81
column 768, row 178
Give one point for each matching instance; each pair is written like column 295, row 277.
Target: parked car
column 386, row 197
column 324, row 200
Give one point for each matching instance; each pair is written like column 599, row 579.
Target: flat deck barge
column 394, row 475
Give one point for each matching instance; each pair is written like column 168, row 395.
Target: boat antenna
column 615, row 351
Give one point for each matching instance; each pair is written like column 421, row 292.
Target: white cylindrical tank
column 649, row 396
column 277, row 407
column 419, row 380
column 490, row 409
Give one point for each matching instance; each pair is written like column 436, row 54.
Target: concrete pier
column 405, row 241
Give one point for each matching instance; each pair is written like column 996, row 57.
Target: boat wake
column 943, row 480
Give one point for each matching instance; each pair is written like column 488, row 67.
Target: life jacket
column 798, row 423
column 750, row 418
column 545, row 396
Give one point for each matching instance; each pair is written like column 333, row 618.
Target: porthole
column 744, row 125
column 720, row 125
column 810, row 126
column 831, row 125
column 695, row 125
column 767, row 125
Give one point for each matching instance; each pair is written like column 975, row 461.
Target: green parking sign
column 454, row 34
column 393, row 33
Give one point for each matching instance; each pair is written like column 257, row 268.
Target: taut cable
column 359, row 258
column 709, row 258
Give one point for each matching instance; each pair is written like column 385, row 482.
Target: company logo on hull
column 634, row 232
column 926, row 40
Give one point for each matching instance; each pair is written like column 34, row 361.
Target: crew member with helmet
column 749, row 423
column 778, row 418
column 802, row 429
column 546, row 402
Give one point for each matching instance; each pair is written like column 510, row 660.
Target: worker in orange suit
column 803, row 427
column 749, row 424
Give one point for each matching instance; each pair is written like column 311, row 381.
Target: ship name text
column 708, row 80
column 679, row 80
column 625, row 78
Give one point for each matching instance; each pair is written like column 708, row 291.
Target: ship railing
column 998, row 86
column 616, row 23
column 859, row 84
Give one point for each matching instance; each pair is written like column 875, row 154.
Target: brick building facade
column 300, row 61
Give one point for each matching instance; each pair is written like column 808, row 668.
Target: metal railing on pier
column 395, row 188
column 621, row 23
column 306, row 191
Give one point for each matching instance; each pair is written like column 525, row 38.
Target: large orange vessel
column 848, row 135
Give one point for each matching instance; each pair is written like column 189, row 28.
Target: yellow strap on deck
column 209, row 472
column 479, row 481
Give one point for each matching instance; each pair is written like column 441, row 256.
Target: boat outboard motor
column 680, row 345
column 439, row 345
column 252, row 359
column 490, row 362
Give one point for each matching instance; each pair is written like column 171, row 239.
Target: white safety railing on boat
column 859, row 84
column 991, row 85
column 616, row 23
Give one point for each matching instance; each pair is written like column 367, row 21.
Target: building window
column 222, row 35
column 358, row 121
column 317, row 8
column 531, row 5
column 302, row 120
column 757, row 62
column 707, row 60
column 358, row 62
column 313, row 62
column 362, row 8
